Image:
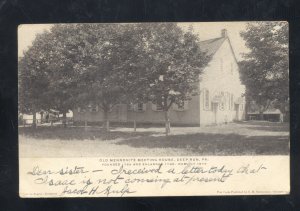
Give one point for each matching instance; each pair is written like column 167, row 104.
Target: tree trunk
column 167, row 123
column 106, row 120
column 64, row 120
column 34, row 120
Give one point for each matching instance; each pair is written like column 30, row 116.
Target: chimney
column 224, row 33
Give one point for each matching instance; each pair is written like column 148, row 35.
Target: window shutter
column 144, row 107
column 78, row 110
column 97, row 108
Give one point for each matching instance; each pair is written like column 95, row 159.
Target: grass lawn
column 245, row 138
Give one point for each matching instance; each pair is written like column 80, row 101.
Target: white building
column 220, row 100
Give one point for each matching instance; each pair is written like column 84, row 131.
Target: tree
column 264, row 69
column 46, row 75
column 90, row 65
column 102, row 64
column 33, row 78
column 170, row 64
column 82, row 64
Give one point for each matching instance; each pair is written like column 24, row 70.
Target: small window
column 140, row 107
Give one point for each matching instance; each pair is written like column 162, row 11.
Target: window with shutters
column 140, row 107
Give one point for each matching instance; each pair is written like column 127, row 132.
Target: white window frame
column 140, row 109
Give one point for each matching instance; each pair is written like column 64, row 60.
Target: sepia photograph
column 153, row 89
column 153, row 109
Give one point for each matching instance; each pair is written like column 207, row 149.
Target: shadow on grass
column 77, row 133
column 267, row 126
column 197, row 143
column 216, row 144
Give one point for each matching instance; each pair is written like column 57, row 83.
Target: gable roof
column 212, row 45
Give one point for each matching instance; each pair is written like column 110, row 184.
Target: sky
column 205, row 30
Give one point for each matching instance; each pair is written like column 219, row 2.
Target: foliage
column 171, row 64
column 34, row 80
column 265, row 68
column 106, row 64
